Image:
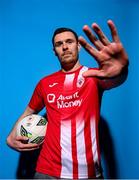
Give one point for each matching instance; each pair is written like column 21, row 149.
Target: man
column 72, row 97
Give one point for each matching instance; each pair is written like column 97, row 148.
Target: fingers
column 91, row 50
column 92, row 37
column 21, row 138
column 21, row 144
column 102, row 40
column 99, row 42
column 114, row 32
column 27, row 147
column 100, row 34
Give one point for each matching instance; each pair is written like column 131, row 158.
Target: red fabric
column 70, row 149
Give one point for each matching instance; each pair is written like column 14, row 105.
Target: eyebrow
column 66, row 40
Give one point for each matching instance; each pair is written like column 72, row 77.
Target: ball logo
column 51, row 98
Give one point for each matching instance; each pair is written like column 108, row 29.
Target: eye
column 58, row 44
column 69, row 41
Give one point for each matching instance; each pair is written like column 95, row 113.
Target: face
column 66, row 48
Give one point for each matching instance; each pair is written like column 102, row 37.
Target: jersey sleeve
column 37, row 102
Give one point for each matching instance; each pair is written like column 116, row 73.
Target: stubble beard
column 68, row 62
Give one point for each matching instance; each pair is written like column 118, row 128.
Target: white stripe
column 66, row 151
column 81, row 154
column 95, row 148
column 94, row 142
column 80, row 80
column 84, row 68
column 68, row 83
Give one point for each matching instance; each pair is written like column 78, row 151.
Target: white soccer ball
column 34, row 127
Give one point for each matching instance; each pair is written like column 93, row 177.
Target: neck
column 71, row 67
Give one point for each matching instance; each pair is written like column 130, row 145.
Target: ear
column 79, row 46
column 54, row 51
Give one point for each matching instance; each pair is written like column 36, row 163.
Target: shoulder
column 49, row 77
column 95, row 80
column 93, row 68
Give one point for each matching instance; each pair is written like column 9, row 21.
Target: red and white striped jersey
column 72, row 102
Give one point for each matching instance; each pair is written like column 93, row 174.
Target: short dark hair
column 63, row 29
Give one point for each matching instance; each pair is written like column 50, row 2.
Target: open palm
column 111, row 56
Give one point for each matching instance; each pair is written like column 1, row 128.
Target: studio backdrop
column 26, row 55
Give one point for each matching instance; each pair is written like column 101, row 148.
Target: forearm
column 12, row 135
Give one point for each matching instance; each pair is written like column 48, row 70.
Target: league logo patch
column 80, row 82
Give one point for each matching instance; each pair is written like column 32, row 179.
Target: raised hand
column 111, row 56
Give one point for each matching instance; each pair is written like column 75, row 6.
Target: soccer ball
column 34, row 127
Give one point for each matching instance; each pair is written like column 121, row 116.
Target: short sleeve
column 37, row 102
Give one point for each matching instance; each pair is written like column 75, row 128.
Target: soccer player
column 72, row 98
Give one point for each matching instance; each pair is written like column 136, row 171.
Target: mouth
column 66, row 54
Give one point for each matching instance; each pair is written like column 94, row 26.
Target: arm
column 16, row 142
column 35, row 105
column 111, row 56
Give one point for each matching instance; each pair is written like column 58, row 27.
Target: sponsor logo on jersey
column 69, row 101
column 62, row 101
column 51, row 98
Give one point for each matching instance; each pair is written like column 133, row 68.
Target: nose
column 65, row 47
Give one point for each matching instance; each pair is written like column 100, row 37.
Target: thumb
column 95, row 73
